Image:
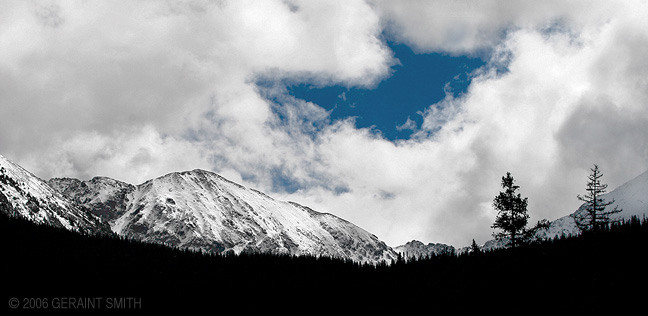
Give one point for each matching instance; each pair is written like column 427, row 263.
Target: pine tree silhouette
column 594, row 216
column 474, row 249
column 512, row 214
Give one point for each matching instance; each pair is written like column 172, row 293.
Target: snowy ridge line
column 25, row 195
column 202, row 210
column 631, row 197
column 195, row 209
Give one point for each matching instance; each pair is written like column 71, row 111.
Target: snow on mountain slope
column 102, row 196
column 417, row 249
column 202, row 210
column 23, row 194
column 631, row 197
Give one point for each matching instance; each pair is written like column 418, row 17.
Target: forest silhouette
column 590, row 272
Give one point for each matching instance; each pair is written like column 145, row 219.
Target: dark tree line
column 567, row 274
column 43, row 260
column 512, row 214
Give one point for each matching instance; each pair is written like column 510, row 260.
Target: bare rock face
column 102, row 196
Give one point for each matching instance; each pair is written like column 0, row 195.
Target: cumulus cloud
column 186, row 69
column 133, row 90
column 134, row 156
column 474, row 26
column 550, row 103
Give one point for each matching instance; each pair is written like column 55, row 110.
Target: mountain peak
column 417, row 249
column 25, row 195
column 200, row 209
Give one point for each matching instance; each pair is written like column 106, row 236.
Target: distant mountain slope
column 25, row 195
column 631, row 197
column 202, row 210
column 417, row 249
column 104, row 197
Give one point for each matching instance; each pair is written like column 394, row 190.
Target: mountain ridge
column 417, row 249
column 25, row 195
column 200, row 209
column 631, row 197
column 196, row 209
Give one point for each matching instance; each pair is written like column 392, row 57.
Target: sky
column 399, row 116
column 394, row 108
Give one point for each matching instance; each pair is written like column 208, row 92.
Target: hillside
column 197, row 210
column 201, row 210
column 23, row 194
column 631, row 198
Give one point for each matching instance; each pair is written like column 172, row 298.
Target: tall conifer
column 512, row 214
column 594, row 215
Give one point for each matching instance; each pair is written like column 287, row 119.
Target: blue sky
column 417, row 82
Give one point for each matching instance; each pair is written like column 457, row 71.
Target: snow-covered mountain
column 417, row 249
column 102, row 196
column 25, row 195
column 202, row 210
column 631, row 197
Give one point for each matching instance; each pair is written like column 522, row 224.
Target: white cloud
column 133, row 90
column 408, row 125
column 567, row 98
column 186, row 69
column 134, row 156
column 469, row 26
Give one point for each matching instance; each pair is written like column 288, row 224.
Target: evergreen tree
column 594, row 216
column 474, row 248
column 512, row 214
